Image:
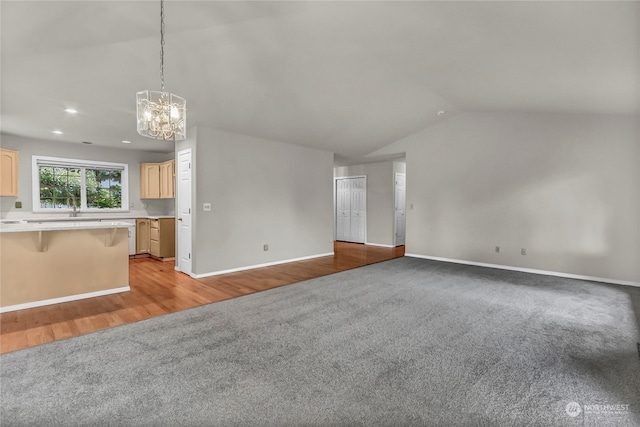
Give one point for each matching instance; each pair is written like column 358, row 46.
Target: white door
column 184, row 210
column 343, row 209
column 351, row 203
column 400, row 214
column 358, row 208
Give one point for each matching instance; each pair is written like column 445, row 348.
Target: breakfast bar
column 52, row 262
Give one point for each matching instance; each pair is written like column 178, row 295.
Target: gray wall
column 262, row 192
column 399, row 167
column 29, row 147
column 564, row 186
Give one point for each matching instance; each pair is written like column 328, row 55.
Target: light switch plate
column 206, row 206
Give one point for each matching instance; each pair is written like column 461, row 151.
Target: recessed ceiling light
column 124, row 141
column 71, row 110
column 57, row 132
column 441, row 113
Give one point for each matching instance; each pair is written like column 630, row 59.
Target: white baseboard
column 378, row 244
column 251, row 267
column 529, row 270
column 63, row 299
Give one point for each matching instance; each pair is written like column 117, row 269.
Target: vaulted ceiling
column 349, row 77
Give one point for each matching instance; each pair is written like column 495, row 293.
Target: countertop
column 13, row 226
column 82, row 216
column 87, row 218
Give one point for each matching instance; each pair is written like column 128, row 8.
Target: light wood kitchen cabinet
column 143, row 236
column 168, row 179
column 156, row 236
column 157, row 180
column 162, row 237
column 149, row 181
column 8, row 172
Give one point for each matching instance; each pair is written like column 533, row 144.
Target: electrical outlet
column 265, row 247
column 206, row 206
column 523, row 251
column 18, row 205
column 497, row 249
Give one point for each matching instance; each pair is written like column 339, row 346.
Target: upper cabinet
column 8, row 172
column 168, row 180
column 157, row 180
column 149, row 180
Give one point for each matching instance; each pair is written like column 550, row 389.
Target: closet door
column 358, row 209
column 351, row 204
column 343, row 209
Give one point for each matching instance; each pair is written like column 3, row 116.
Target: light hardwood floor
column 156, row 288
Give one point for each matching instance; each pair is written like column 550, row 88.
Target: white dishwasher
column 132, row 233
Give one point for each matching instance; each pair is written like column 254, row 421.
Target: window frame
column 38, row 161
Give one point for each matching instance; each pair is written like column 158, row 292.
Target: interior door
column 400, row 213
column 343, row 209
column 184, row 211
column 358, row 209
column 351, row 204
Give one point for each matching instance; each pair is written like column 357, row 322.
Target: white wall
column 262, row 192
column 565, row 187
column 29, row 147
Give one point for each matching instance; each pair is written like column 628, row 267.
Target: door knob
column 179, row 219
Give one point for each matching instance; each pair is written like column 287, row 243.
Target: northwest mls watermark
column 574, row 409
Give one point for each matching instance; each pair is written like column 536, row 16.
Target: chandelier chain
column 162, row 44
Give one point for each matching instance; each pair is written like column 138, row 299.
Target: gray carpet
column 404, row 342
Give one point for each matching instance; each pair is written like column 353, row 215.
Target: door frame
column 335, row 204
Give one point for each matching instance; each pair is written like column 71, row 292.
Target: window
column 61, row 184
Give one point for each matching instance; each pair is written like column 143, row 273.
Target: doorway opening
column 351, row 209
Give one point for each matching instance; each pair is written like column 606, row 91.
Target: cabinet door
column 142, row 236
column 154, row 248
column 167, row 180
column 167, row 239
column 149, row 181
column 8, row 172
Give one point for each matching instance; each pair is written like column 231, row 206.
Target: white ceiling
column 349, row 77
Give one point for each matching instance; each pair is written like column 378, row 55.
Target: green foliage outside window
column 61, row 187
column 104, row 190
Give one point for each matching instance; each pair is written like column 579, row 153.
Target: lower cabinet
column 156, row 236
column 142, row 236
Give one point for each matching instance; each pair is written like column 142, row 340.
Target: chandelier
column 161, row 115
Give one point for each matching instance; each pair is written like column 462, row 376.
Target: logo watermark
column 574, row 409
